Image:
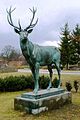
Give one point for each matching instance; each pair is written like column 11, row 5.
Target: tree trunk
column 67, row 66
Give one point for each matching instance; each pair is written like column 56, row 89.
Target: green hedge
column 14, row 83
column 44, row 82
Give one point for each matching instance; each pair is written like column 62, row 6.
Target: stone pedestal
column 42, row 101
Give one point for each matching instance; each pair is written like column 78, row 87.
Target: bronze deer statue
column 36, row 55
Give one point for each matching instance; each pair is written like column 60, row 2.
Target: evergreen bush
column 55, row 82
column 44, row 82
column 68, row 86
column 76, row 85
column 17, row 83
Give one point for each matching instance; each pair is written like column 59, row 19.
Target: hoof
column 35, row 91
column 50, row 86
column 59, row 87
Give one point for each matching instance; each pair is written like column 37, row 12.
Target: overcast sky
column 52, row 15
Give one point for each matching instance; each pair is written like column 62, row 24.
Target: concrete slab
column 44, row 100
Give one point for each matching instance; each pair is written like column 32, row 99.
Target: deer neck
column 26, row 47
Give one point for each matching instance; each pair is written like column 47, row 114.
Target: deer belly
column 46, row 60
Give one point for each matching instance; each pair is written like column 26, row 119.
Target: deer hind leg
column 51, row 73
column 58, row 71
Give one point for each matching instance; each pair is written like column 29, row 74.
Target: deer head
column 22, row 32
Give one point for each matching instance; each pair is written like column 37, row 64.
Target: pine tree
column 65, row 46
column 76, row 42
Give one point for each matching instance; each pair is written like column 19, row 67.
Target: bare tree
column 9, row 53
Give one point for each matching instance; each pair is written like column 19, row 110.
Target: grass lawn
column 68, row 112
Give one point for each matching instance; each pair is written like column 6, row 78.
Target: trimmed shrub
column 44, row 82
column 68, row 86
column 76, row 85
column 14, row 83
column 55, row 82
column 29, row 82
column 2, row 85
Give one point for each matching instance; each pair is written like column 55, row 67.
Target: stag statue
column 36, row 55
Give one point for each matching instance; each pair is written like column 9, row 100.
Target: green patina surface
column 43, row 93
column 36, row 55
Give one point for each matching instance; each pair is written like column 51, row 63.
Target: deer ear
column 17, row 31
column 29, row 31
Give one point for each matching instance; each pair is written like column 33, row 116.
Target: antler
column 9, row 18
column 32, row 25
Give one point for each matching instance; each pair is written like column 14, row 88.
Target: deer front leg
column 35, row 72
column 36, row 87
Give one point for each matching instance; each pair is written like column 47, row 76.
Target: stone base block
column 42, row 101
